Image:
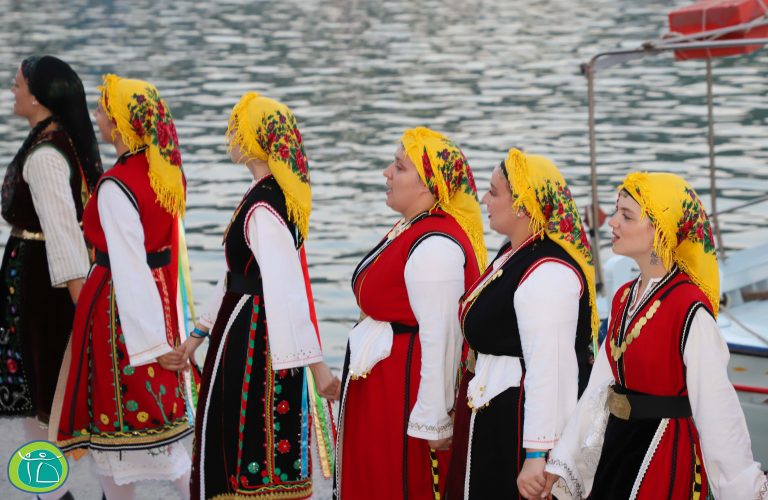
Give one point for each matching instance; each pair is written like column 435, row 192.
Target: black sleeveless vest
column 21, row 210
column 490, row 325
column 240, row 259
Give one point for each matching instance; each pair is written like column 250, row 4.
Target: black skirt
column 251, row 423
column 496, row 451
column 34, row 329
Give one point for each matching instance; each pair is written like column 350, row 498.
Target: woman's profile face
column 498, row 201
column 23, row 99
column 104, row 123
column 405, row 189
column 632, row 234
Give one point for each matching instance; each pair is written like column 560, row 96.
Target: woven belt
column 399, row 328
column 23, row 234
column 154, row 260
column 246, row 285
column 628, row 405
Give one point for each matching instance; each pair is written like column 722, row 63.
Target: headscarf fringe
column 172, row 200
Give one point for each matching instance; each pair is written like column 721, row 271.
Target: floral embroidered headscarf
column 683, row 231
column 266, row 129
column 144, row 121
column 444, row 169
column 540, row 190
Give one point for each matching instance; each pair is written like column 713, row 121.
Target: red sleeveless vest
column 379, row 286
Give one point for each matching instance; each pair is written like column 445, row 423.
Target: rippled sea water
column 491, row 74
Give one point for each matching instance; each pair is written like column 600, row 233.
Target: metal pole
column 712, row 176
column 590, row 74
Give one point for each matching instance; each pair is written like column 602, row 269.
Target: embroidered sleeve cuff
column 430, row 431
column 569, row 484
column 296, row 362
column 150, row 355
column 539, row 444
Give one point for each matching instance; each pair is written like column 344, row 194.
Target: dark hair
column 56, row 86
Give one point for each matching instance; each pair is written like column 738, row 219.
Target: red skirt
column 378, row 459
column 103, row 402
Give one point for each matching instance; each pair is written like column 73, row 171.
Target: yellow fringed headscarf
column 143, row 120
column 266, row 129
column 683, row 232
column 444, row 169
column 539, row 188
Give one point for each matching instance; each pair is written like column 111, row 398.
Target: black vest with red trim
column 21, row 212
column 653, row 362
column 379, row 280
column 239, row 256
column 490, row 322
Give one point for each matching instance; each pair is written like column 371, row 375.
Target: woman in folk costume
column 120, row 390
column 395, row 421
column 46, row 260
column 659, row 418
column 529, row 320
column 252, row 427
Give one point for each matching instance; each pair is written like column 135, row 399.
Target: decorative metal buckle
column 618, row 405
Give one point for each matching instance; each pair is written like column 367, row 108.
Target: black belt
column 246, row 285
column 154, row 260
column 629, row 405
column 398, row 328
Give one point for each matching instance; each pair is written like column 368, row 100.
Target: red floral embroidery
column 149, row 115
column 279, row 135
column 694, row 224
column 283, row 407
column 283, row 446
column 563, row 222
column 452, row 163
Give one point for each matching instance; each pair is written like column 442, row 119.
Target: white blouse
column 293, row 338
column 726, row 447
column 434, row 278
column 547, row 308
column 47, row 172
column 138, row 300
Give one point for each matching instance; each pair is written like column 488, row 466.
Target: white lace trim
column 568, row 478
column 340, row 438
column 763, row 493
column 648, row 457
column 469, row 456
column 222, row 343
column 592, row 447
column 168, row 462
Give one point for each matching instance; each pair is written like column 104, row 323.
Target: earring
column 34, row 102
column 654, row 258
column 519, row 215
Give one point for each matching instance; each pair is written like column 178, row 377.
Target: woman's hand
column 190, row 346
column 328, row 385
column 174, row 360
column 439, row 444
column 531, row 481
column 551, row 480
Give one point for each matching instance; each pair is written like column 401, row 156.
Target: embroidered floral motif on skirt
column 251, row 436
column 108, row 403
column 34, row 327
